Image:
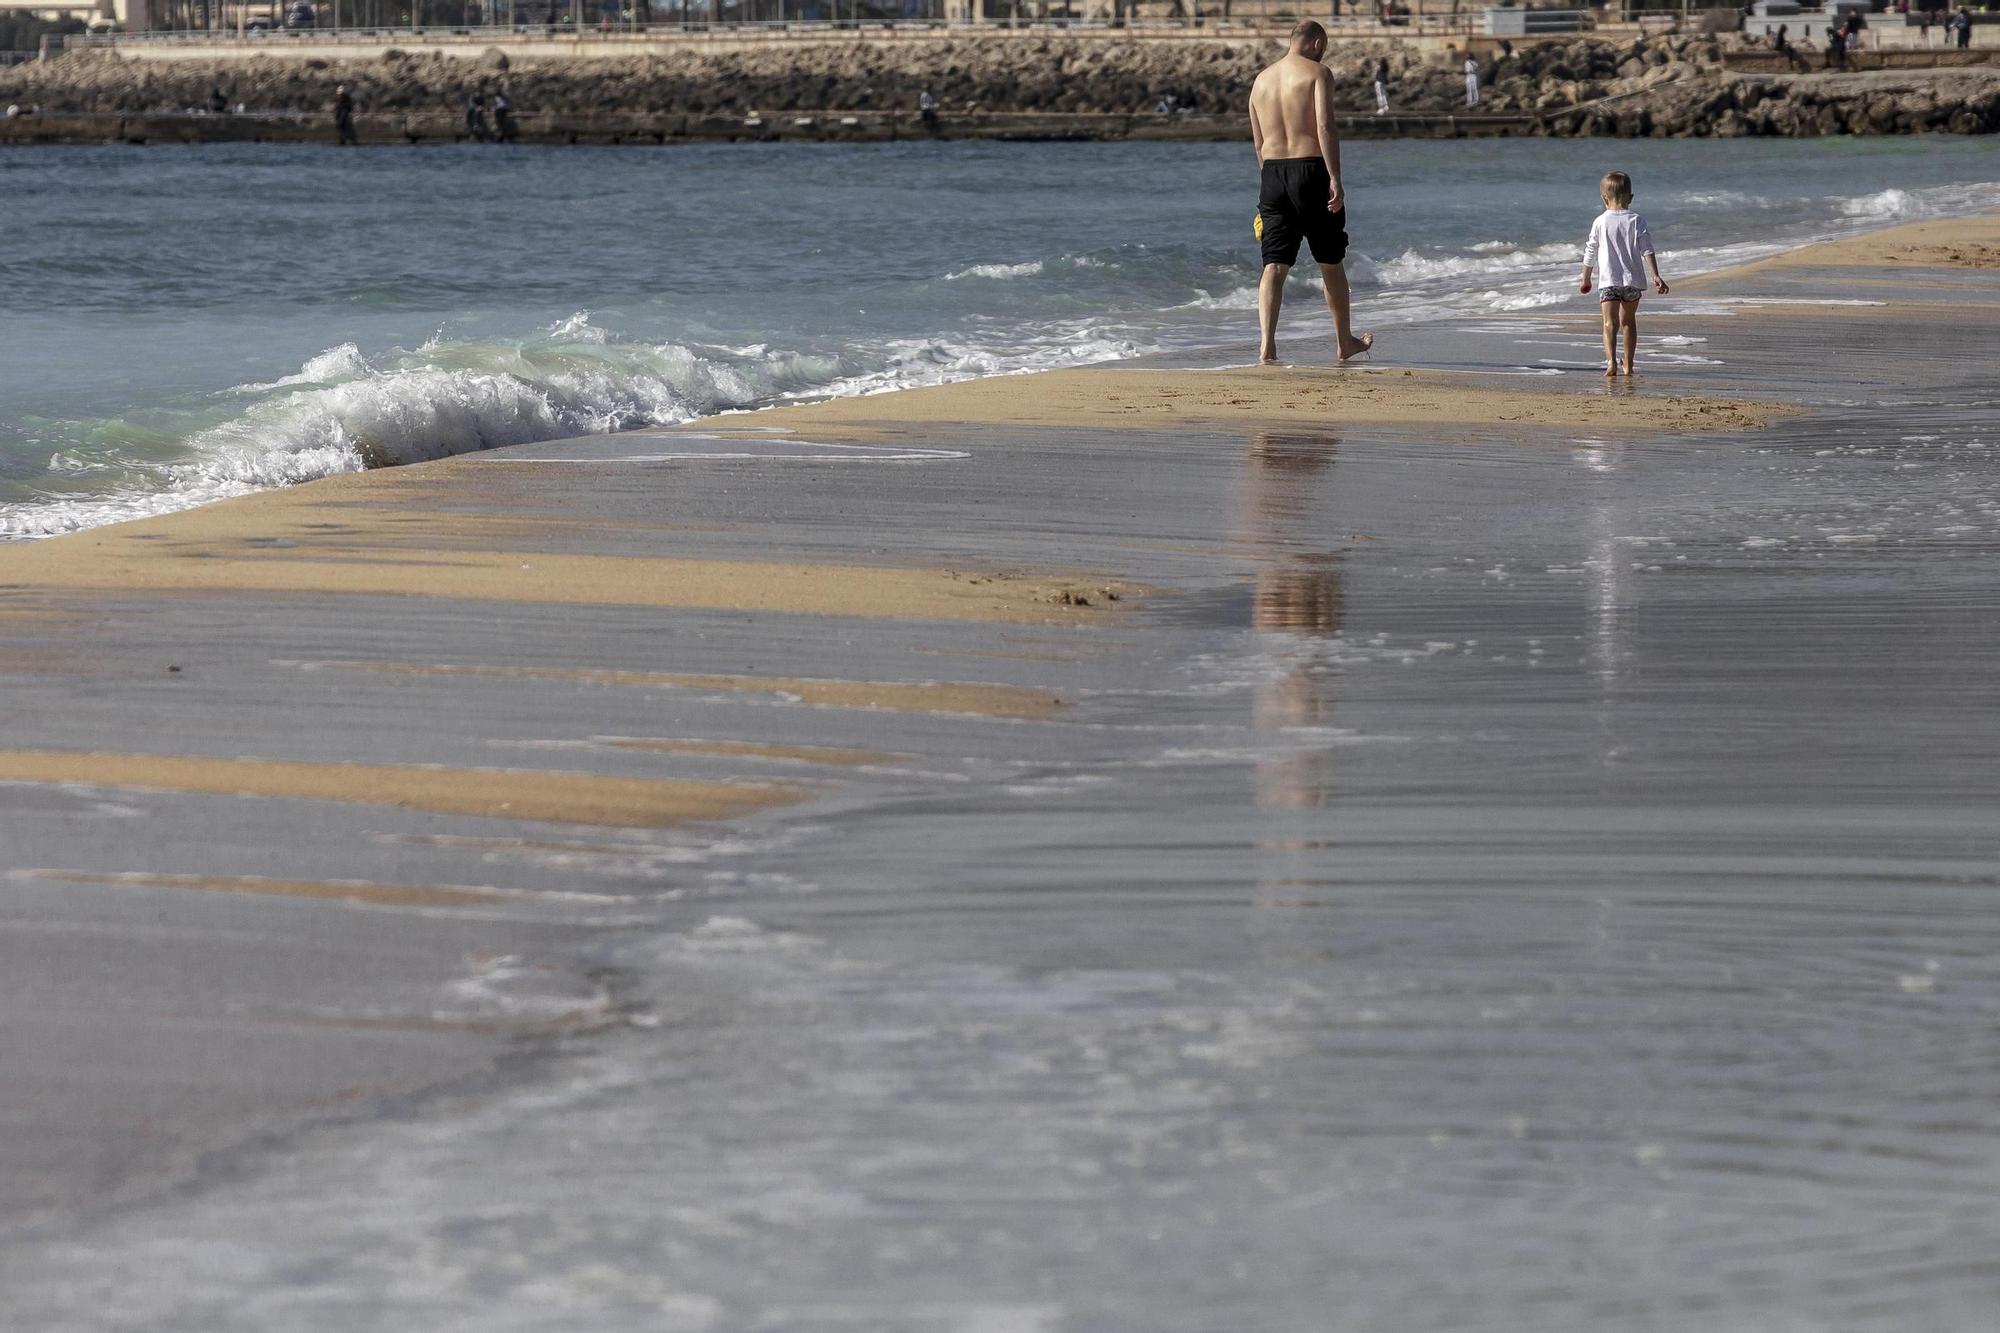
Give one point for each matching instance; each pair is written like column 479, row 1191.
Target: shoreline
column 1363, row 397
column 407, row 717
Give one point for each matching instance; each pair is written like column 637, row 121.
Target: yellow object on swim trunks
column 1257, row 226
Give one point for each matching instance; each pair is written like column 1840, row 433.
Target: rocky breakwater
column 1666, row 87
column 999, row 74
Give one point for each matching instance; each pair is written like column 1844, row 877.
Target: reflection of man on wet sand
column 1299, row 199
column 1297, row 593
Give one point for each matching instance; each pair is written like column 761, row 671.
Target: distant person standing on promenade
column 503, row 117
column 343, row 116
column 1471, row 79
column 1382, row 86
column 1963, row 26
column 1299, row 197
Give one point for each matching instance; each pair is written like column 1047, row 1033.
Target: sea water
column 177, row 327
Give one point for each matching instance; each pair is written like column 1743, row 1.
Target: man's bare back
column 1287, row 104
column 1300, row 198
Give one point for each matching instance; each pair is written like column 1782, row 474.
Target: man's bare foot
column 1354, row 347
column 1268, row 356
column 1611, row 370
column 1628, row 367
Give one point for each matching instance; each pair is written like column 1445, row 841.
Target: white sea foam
column 1033, row 266
column 1882, row 204
column 1411, row 266
column 1238, row 298
column 1027, row 269
column 336, row 363
column 1720, row 199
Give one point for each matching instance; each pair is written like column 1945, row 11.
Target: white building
column 131, row 15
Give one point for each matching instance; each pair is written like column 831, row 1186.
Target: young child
column 1611, row 259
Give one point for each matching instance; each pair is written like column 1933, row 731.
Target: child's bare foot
column 1353, row 347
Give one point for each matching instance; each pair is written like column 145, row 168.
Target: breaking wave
column 345, row 411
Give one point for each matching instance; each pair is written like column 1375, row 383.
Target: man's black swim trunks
column 1291, row 207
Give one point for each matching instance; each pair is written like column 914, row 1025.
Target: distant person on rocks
column 217, row 103
column 343, row 116
column 1836, row 49
column 475, row 117
column 1382, row 86
column 927, row 111
column 503, row 117
column 1299, row 197
column 1962, row 25
column 1471, row 79
column 1618, row 242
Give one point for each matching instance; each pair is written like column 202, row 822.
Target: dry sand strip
column 1011, row 702
column 116, row 560
column 1965, row 243
column 1326, row 399
column 520, row 794
column 351, row 535
column 824, row 756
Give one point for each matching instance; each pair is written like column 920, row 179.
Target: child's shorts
column 1619, row 294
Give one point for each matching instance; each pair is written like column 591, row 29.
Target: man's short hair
column 1307, row 32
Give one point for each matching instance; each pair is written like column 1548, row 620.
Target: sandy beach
column 342, row 814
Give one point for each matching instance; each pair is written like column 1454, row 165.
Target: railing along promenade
column 622, row 38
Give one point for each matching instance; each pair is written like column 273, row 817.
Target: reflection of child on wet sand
column 1618, row 239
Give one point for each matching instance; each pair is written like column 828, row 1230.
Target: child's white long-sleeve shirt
column 1618, row 241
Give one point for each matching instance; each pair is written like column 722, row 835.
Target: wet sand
column 1123, row 788
column 1288, row 395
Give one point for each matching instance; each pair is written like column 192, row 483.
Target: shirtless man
column 1291, row 123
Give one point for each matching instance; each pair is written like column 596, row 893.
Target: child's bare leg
column 1631, row 320
column 1609, row 309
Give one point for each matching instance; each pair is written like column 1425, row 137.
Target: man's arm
column 1256, row 129
column 1329, row 137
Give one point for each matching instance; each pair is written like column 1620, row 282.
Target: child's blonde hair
column 1616, row 186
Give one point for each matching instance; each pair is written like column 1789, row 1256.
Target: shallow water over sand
column 1506, row 882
